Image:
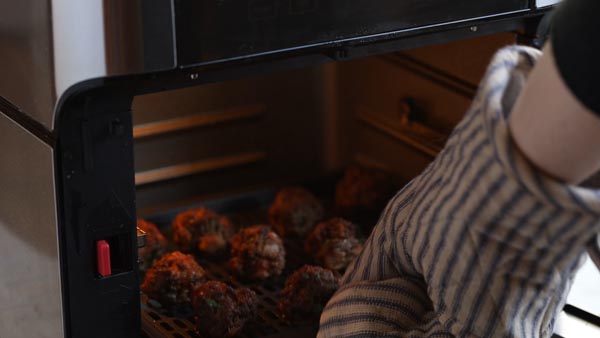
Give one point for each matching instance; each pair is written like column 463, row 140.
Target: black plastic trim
column 96, row 201
column 218, row 30
column 379, row 43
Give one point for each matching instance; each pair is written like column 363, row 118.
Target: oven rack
column 159, row 324
column 244, row 210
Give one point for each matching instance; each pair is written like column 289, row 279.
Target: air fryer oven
column 273, row 109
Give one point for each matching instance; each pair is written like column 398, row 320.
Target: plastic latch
column 103, row 258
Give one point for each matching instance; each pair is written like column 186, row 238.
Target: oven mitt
column 479, row 245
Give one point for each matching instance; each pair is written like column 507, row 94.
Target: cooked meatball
column 222, row 311
column 294, row 212
column 362, row 189
column 306, row 292
column 156, row 245
column 172, row 279
column 333, row 244
column 202, row 230
column 257, row 253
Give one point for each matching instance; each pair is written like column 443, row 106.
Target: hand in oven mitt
column 481, row 244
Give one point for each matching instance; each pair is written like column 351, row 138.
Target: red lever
column 103, row 256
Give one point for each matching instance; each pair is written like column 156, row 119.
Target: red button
column 103, row 256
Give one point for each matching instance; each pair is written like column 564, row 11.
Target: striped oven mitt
column 479, row 245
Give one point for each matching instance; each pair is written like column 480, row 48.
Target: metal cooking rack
column 244, row 210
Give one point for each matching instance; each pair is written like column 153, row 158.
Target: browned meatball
column 294, row 212
column 257, row 253
column 172, row 279
column 306, row 292
column 362, row 189
column 333, row 244
column 202, row 230
column 222, row 311
column 156, row 245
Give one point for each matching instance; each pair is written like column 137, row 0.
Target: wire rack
column 244, row 210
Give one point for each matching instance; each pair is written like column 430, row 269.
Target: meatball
column 202, row 230
column 222, row 311
column 294, row 212
column 333, row 244
column 172, row 279
column 156, row 245
column 257, row 253
column 361, row 189
column 306, row 292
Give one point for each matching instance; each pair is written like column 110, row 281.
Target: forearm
column 552, row 128
column 556, row 121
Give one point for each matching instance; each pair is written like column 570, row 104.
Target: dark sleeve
column 576, row 44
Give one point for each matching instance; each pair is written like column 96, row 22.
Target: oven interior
column 298, row 125
column 231, row 145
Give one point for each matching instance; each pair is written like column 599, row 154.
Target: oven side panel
column 395, row 111
column 30, row 286
column 26, row 62
column 228, row 136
